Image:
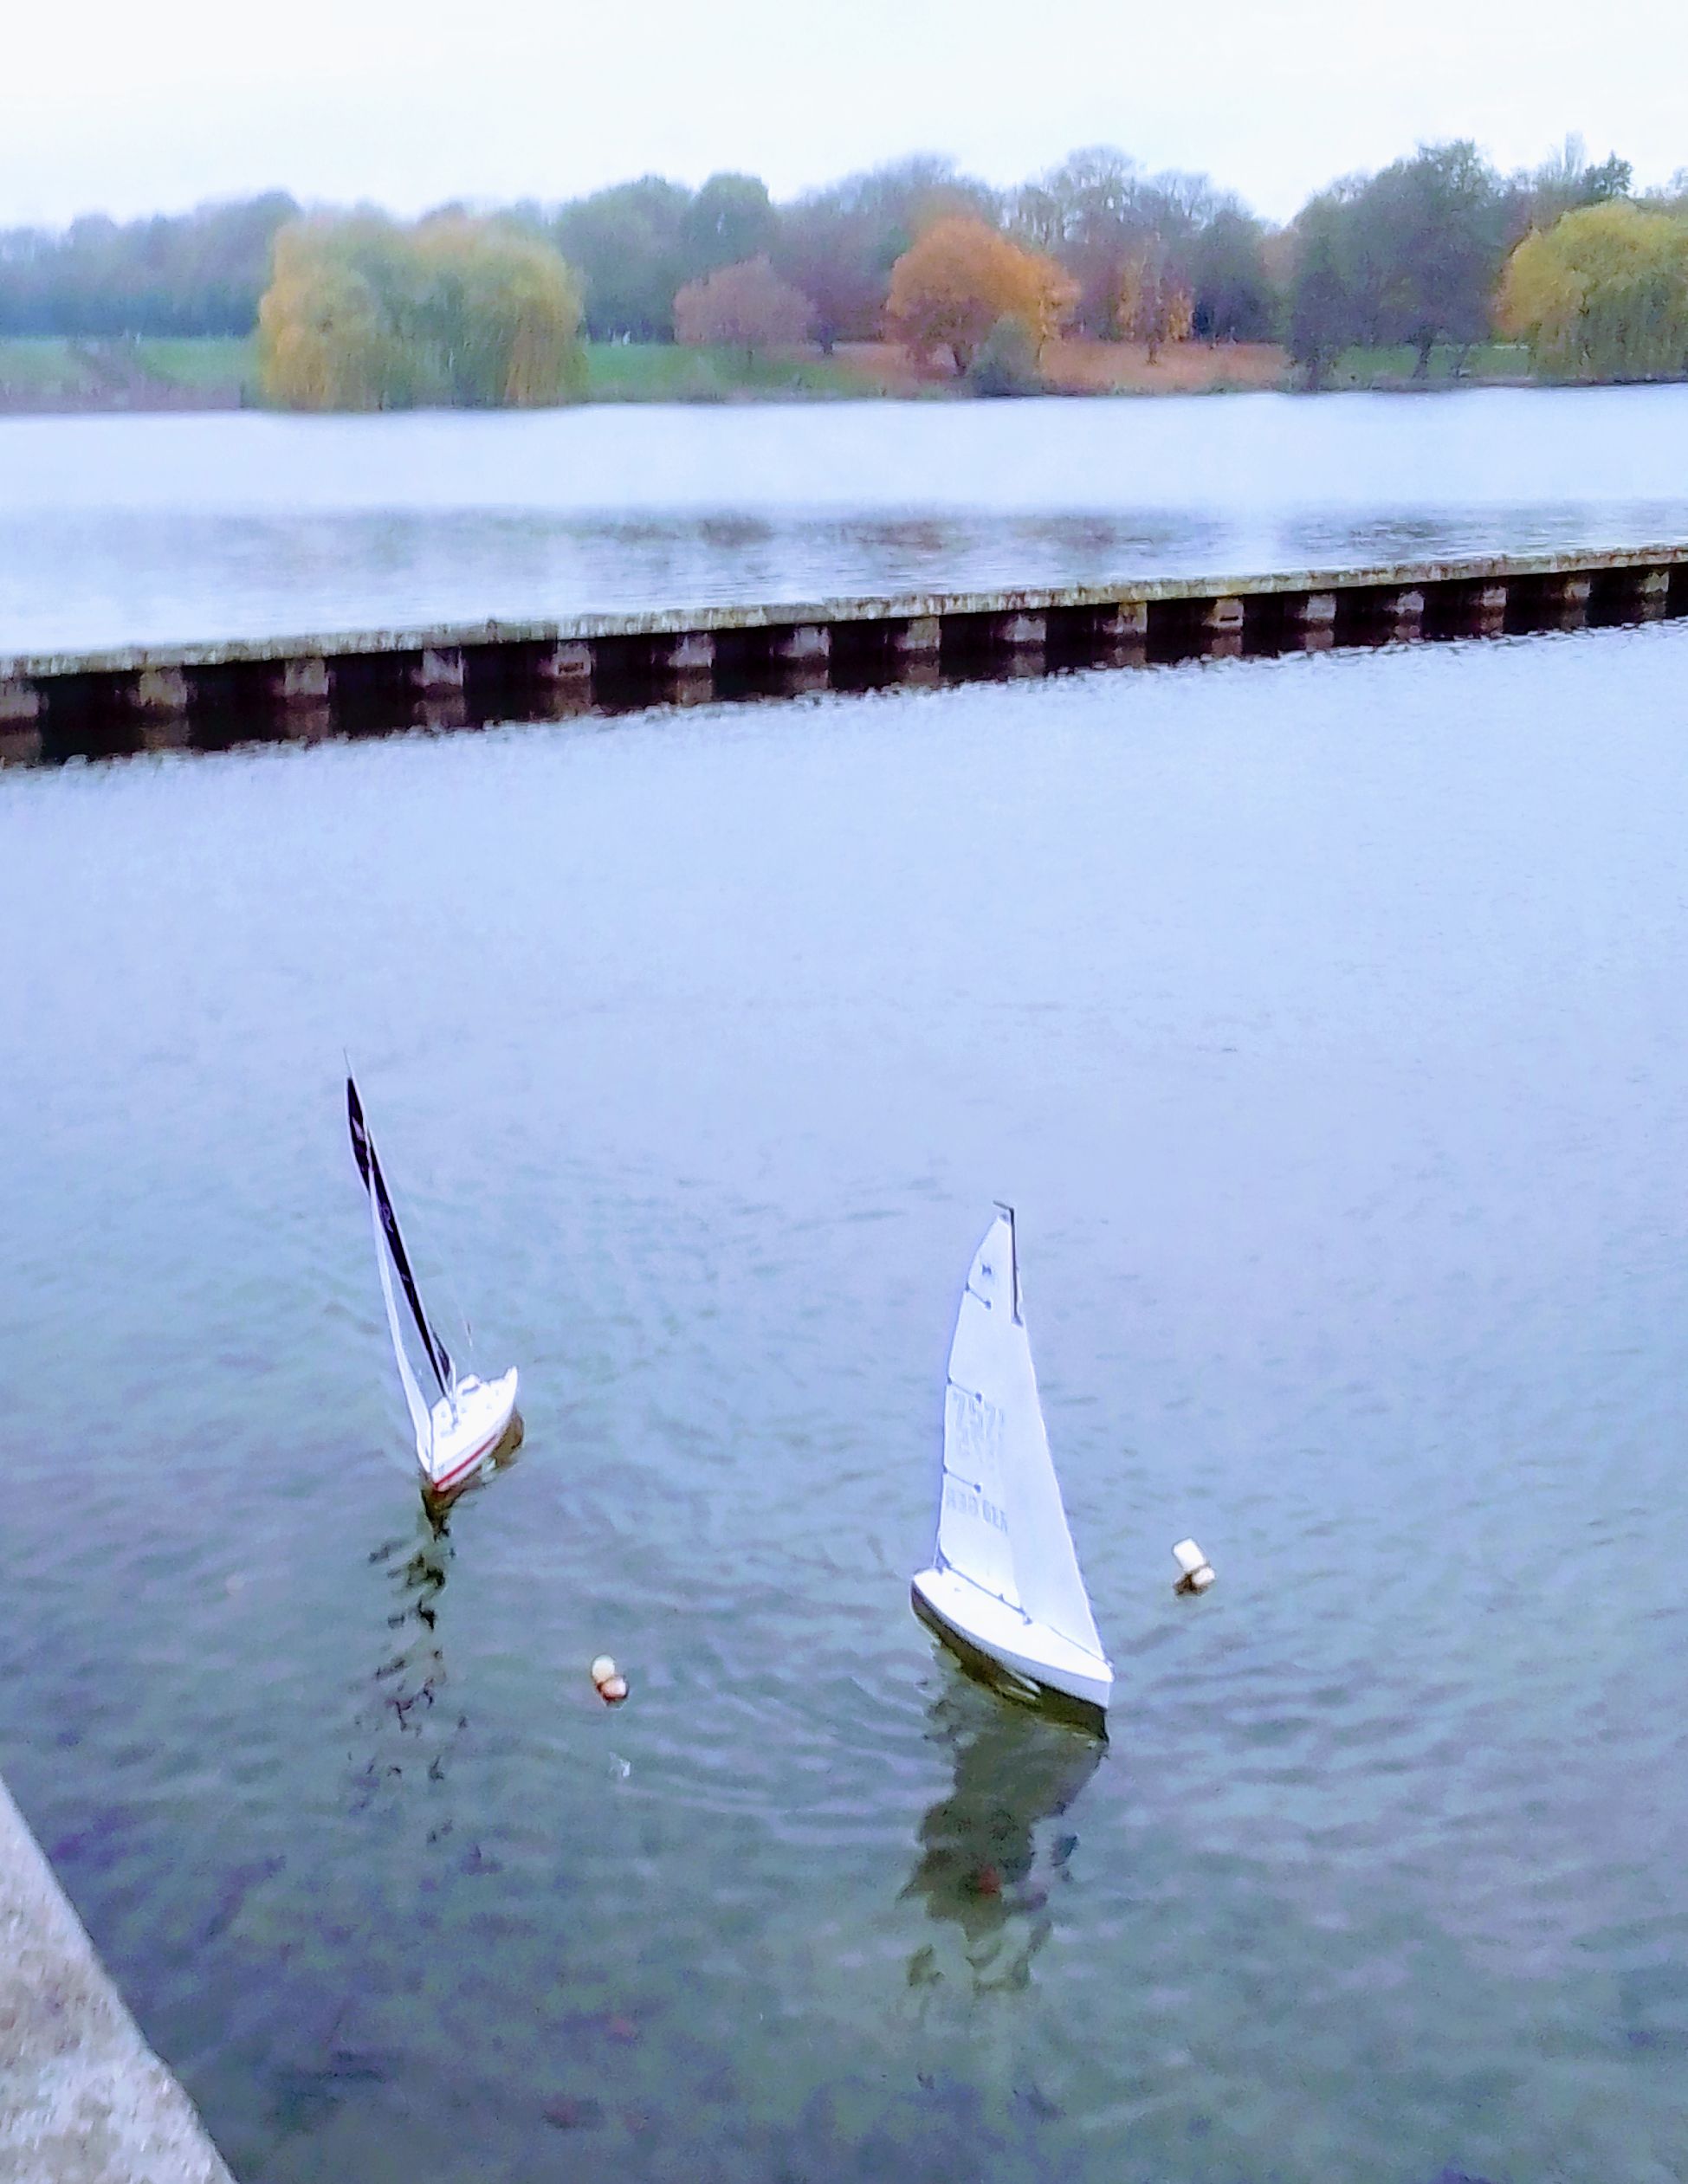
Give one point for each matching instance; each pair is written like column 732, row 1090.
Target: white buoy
column 1195, row 1572
column 608, row 1680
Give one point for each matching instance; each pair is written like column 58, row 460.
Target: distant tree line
column 1436, row 249
column 639, row 243
column 196, row 273
column 637, row 246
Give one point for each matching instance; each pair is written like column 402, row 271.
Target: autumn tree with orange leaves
column 960, row 278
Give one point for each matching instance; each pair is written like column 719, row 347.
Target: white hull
column 458, row 1442
column 977, row 1622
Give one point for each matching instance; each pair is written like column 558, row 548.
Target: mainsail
column 387, row 1232
column 1001, row 1523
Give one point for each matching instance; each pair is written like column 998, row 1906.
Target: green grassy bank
column 1485, row 364
column 660, row 371
column 46, row 372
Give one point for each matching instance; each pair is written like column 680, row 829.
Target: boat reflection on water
column 410, row 1718
column 990, row 1858
column 408, row 1706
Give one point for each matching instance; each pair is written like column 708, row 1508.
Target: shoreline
column 766, row 397
column 83, row 2099
column 124, row 376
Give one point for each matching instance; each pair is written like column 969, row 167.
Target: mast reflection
column 989, row 1861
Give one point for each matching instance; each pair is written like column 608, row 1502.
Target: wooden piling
column 20, row 702
column 439, row 672
column 159, row 731
column 1649, row 593
column 21, row 743
column 1565, row 600
column 159, row 690
column 568, row 665
column 1401, row 614
column 305, row 683
column 1485, row 610
column 684, row 655
column 919, row 637
column 1119, row 634
column 803, row 644
column 1123, row 622
column 1310, row 621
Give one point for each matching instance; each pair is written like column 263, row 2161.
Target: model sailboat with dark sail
column 464, row 1428
column 1004, row 1590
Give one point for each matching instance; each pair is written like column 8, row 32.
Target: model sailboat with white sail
column 465, row 1427
column 1004, row 1589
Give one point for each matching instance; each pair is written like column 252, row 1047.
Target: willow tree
column 324, row 342
column 960, row 279
column 1602, row 293
column 364, row 313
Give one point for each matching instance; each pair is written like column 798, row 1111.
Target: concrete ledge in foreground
column 83, row 2099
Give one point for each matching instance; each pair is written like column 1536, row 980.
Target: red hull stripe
column 467, row 1464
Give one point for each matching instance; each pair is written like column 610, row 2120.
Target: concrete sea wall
column 137, row 698
column 83, row 2099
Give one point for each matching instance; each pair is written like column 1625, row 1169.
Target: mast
column 1008, row 1212
column 369, row 1167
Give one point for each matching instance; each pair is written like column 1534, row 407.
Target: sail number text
column 965, row 1501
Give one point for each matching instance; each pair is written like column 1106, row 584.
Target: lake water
column 126, row 529
column 1323, row 1019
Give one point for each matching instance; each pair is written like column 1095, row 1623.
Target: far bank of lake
column 51, row 375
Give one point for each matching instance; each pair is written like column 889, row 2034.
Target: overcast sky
column 129, row 106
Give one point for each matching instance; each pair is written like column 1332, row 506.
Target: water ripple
column 1338, row 1079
